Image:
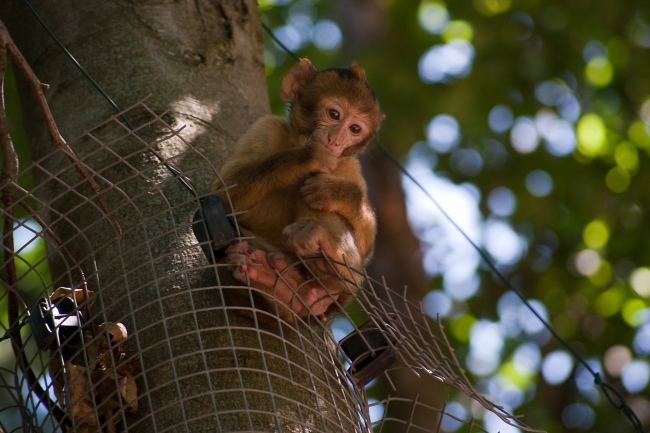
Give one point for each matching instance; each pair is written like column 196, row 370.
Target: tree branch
column 55, row 135
column 8, row 178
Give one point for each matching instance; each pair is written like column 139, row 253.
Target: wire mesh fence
column 129, row 329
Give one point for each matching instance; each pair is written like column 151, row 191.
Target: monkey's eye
column 333, row 114
column 355, row 128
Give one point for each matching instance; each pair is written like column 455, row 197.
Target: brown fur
column 300, row 197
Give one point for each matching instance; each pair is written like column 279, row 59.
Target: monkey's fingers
column 277, row 261
column 238, row 248
column 262, row 273
column 318, row 299
column 323, row 159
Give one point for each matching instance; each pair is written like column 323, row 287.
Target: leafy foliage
column 529, row 121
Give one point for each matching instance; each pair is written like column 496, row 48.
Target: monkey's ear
column 295, row 78
column 358, row 71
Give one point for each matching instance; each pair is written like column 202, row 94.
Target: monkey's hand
column 321, row 159
column 311, row 239
column 328, row 193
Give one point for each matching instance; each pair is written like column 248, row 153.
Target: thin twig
column 55, row 135
column 7, row 181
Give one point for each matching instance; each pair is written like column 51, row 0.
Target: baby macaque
column 300, row 182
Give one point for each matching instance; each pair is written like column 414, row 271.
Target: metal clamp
column 369, row 351
column 213, row 228
column 47, row 320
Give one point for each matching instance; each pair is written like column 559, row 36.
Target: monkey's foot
column 256, row 264
column 314, row 300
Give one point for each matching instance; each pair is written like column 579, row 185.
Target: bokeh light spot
column 549, row 92
column 596, row 234
column 341, row 327
column 456, row 409
column 524, row 25
column 626, row 156
column 558, row 134
column 578, row 416
column 492, row 7
column 443, row 133
column 458, row 29
column 26, row 236
column 603, row 274
column 639, row 134
column 609, row 302
column 641, row 342
column 644, row 112
column 486, row 343
column 640, row 281
column 376, row 410
column 557, row 367
column 460, row 327
column 630, row 310
column 640, row 33
column 265, row 4
column 450, row 60
column 568, row 107
column 433, row 16
column 503, row 243
column 587, row 262
column 437, row 302
column 289, row 36
column 528, row 321
column 616, row 358
column 501, row 201
column 594, row 49
column 635, row 376
column 592, row 138
column 326, row 35
column 539, row 183
column 466, row 161
column 270, row 61
column 584, row 378
column 599, row 71
column 500, row 118
column 527, row 359
column 617, row 180
column 523, row 136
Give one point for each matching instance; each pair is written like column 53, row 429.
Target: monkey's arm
column 344, row 192
column 268, row 158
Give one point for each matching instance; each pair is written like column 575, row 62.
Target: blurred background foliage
column 529, row 123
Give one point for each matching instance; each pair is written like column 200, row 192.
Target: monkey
column 299, row 181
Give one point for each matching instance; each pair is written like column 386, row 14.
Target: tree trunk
column 204, row 368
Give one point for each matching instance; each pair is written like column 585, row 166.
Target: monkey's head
column 335, row 107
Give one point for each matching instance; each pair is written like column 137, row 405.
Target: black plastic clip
column 221, row 232
column 369, row 351
column 46, row 320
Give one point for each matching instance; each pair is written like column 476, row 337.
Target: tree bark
column 204, row 368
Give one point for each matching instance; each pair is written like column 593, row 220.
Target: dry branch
column 8, row 179
column 55, row 135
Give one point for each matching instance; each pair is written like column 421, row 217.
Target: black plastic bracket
column 213, row 228
column 369, row 351
column 62, row 317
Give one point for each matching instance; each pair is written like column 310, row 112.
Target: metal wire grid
column 201, row 363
